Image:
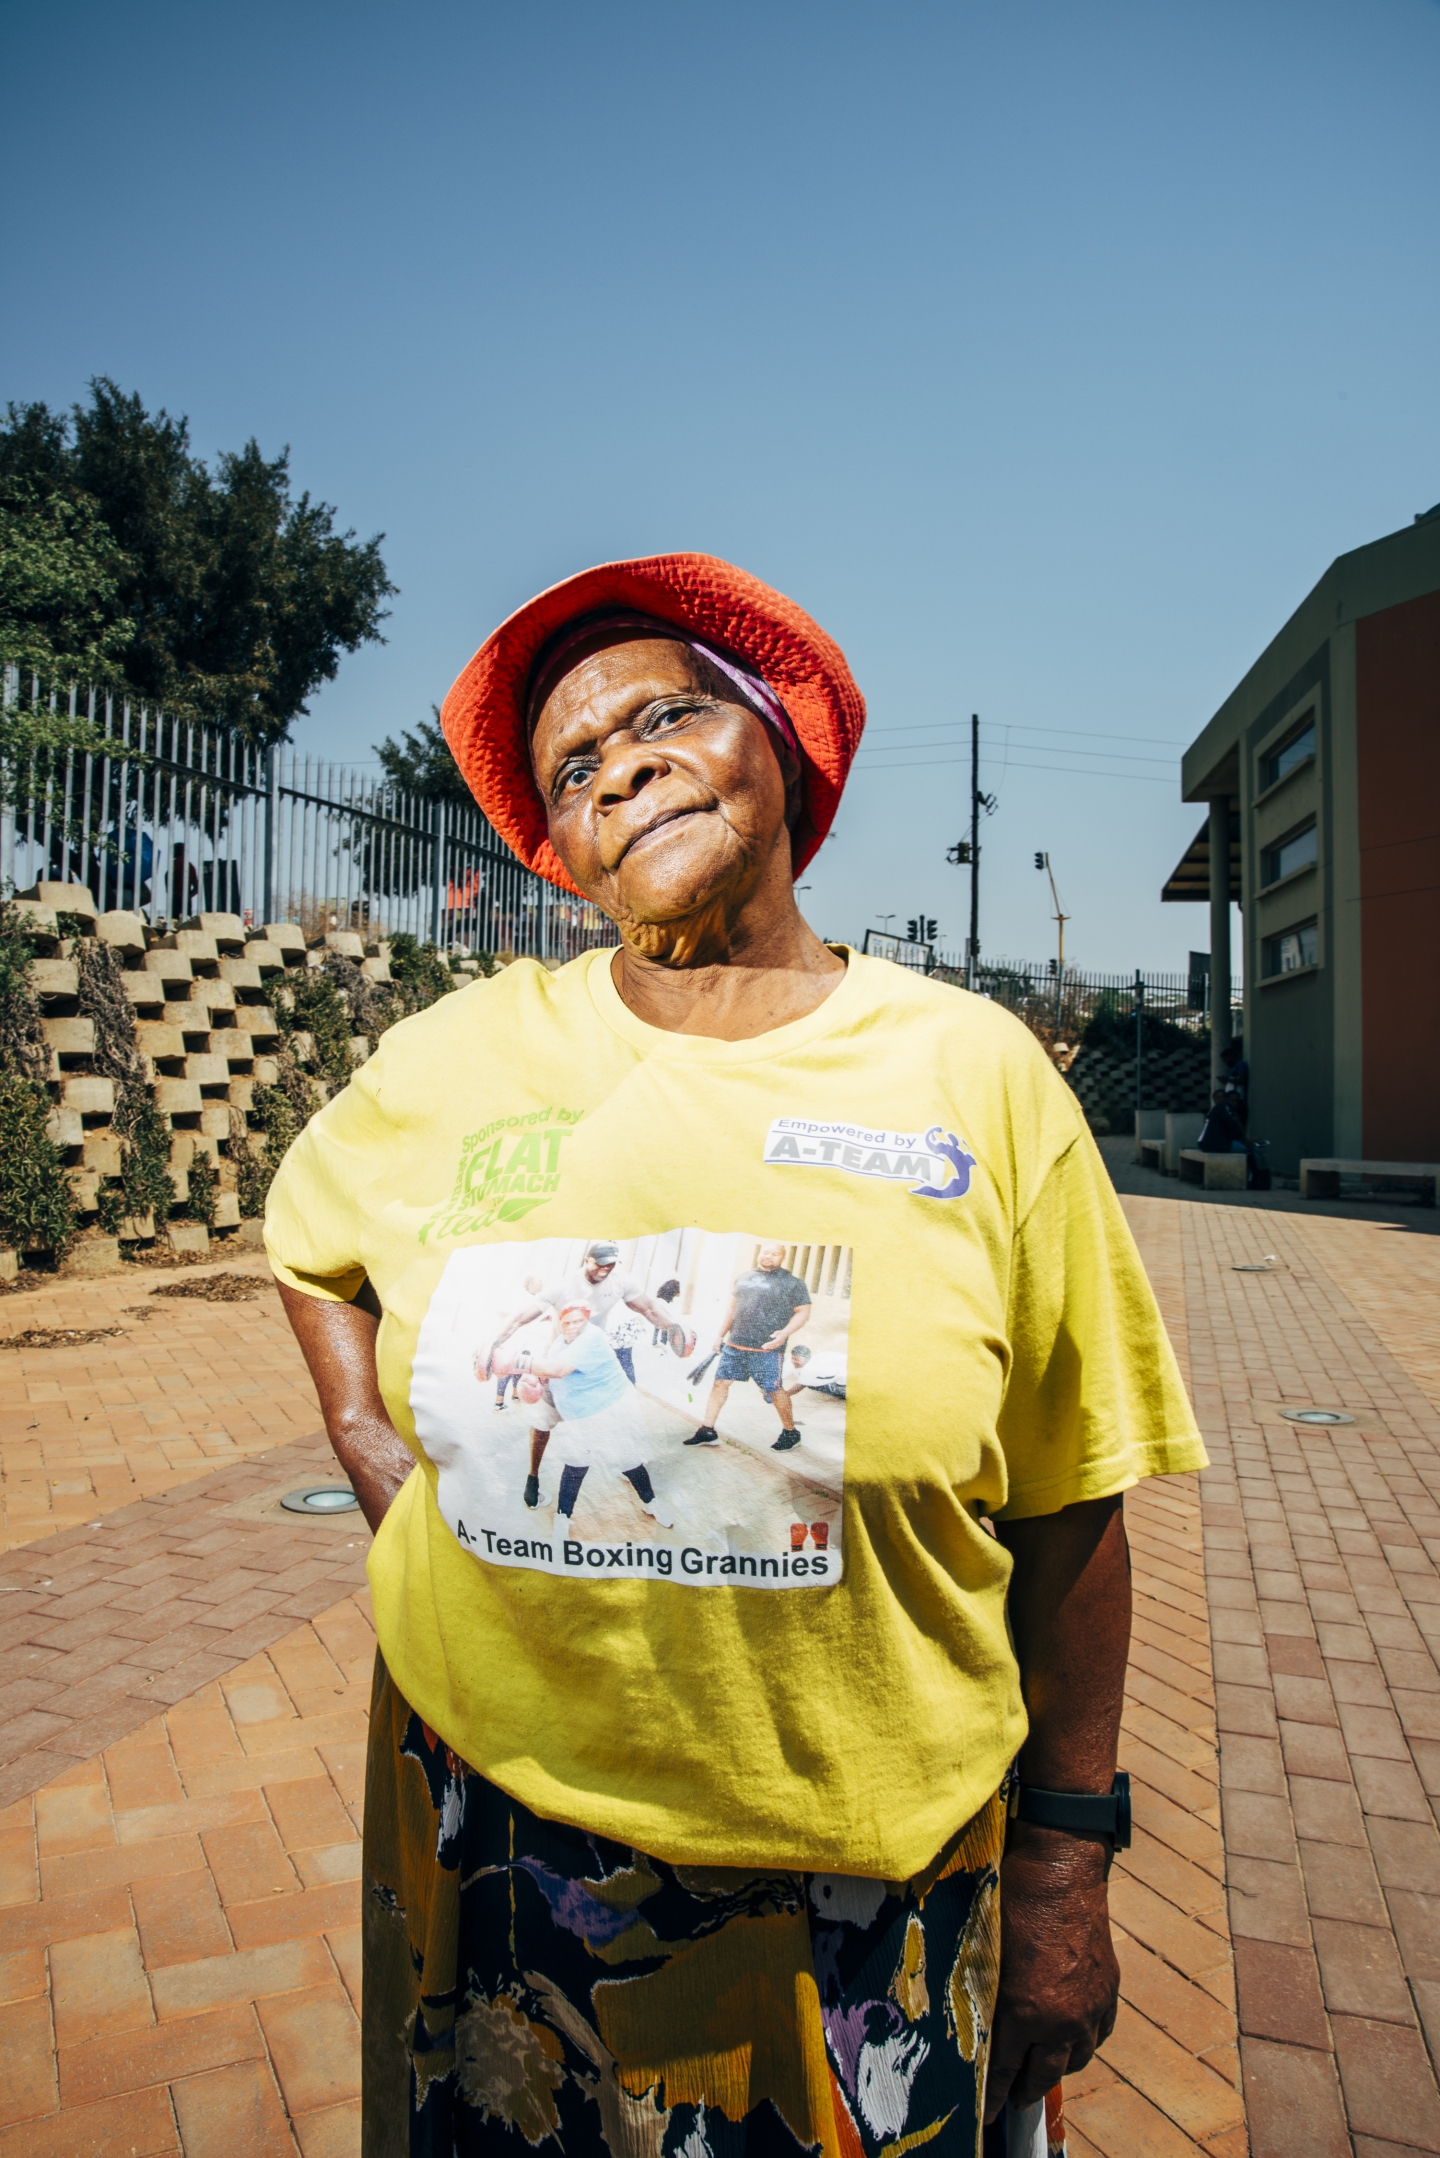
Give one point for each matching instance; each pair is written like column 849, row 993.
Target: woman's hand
column 337, row 1341
column 1069, row 1608
column 1059, row 1981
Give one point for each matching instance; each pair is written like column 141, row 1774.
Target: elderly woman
column 757, row 1835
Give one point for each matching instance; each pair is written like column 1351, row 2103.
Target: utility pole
column 973, row 956
column 966, row 852
column 1042, row 861
column 1139, row 1041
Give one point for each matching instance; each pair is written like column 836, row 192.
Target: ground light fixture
column 321, row 1499
column 1316, row 1416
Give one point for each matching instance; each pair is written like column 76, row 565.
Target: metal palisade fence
column 169, row 819
column 1060, row 1004
column 1063, row 1005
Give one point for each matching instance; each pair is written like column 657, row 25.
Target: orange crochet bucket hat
column 486, row 721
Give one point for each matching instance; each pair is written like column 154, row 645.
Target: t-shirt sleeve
column 313, row 1214
column 1094, row 1400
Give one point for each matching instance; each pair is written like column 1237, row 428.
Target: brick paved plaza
column 186, row 1671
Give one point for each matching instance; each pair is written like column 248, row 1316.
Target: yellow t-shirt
column 784, row 1644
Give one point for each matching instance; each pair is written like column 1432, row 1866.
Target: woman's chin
column 699, row 936
column 684, row 889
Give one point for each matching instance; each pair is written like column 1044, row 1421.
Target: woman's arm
column 550, row 1363
column 337, row 1341
column 1070, row 1615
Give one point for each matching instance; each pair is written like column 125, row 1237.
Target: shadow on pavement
column 1128, row 1177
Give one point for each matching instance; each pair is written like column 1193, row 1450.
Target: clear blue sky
column 1046, row 353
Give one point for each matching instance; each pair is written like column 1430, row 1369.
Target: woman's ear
column 794, row 779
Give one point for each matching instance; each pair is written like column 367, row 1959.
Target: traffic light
column 912, row 931
column 923, row 930
column 1040, row 859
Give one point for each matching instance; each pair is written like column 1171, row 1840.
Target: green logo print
column 505, row 1172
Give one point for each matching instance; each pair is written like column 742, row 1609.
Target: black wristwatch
column 1080, row 1813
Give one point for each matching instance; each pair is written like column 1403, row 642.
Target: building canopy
column 1190, row 878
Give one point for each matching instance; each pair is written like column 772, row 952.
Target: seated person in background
column 1221, row 1132
column 1237, row 1081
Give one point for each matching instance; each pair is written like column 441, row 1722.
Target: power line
column 1072, row 771
column 1002, row 749
column 1091, row 756
column 1086, row 734
column 1000, row 752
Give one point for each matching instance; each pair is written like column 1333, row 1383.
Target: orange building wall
column 1398, row 710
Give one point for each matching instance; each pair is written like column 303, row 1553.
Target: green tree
column 225, row 598
column 421, row 764
column 59, row 575
column 59, row 579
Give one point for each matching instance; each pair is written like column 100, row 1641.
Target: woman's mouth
column 661, row 827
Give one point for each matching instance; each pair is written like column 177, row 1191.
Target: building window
column 1299, row 746
column 1296, row 852
column 1293, row 949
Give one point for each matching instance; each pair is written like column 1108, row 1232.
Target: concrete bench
column 1160, row 1135
column 1181, row 1130
column 1149, row 1124
column 1320, row 1178
column 1217, row 1172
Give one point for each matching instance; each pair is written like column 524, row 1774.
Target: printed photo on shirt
column 668, row 1406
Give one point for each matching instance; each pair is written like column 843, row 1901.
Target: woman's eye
column 670, row 713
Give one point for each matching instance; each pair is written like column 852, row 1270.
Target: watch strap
column 1079, row 1813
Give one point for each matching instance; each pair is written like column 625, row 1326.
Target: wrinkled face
column 663, row 796
column 770, row 1256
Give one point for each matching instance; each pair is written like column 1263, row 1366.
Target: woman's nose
column 626, row 766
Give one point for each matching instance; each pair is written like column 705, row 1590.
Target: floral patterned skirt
column 532, row 1986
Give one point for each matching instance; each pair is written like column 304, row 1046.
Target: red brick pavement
column 101, row 1626
column 256, row 2020
column 178, row 1393
column 1165, row 2084
column 179, row 1915
column 1321, row 1551
column 179, row 1922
